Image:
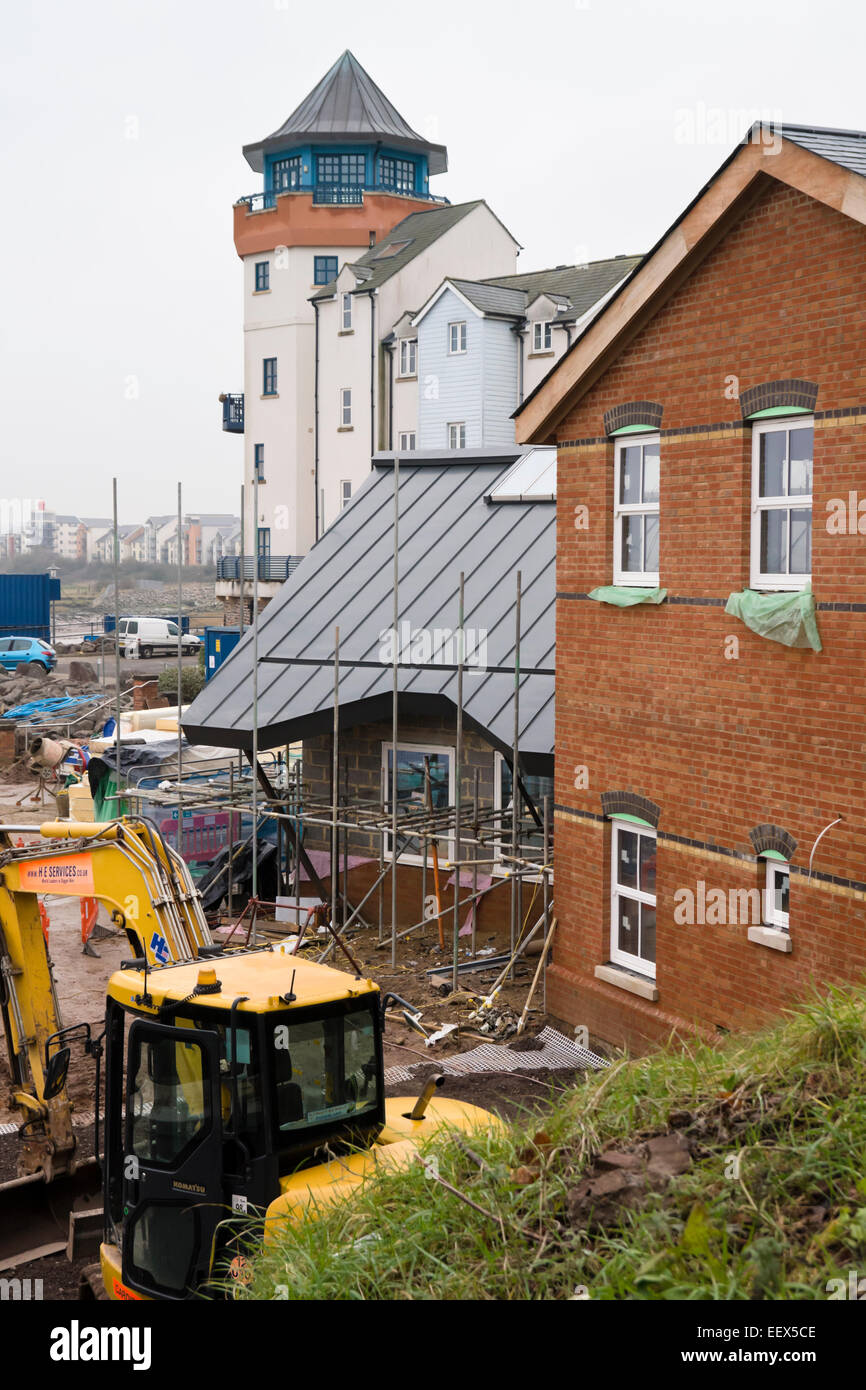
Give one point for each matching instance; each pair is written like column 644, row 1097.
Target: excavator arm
column 148, row 891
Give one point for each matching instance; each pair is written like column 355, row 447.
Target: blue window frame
column 259, row 462
column 287, row 173
column 264, row 540
column 341, row 168
column 324, row 269
column 269, row 376
column 397, row 173
column 263, row 275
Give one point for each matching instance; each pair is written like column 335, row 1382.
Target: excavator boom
column 148, row 891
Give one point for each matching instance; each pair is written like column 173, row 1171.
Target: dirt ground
column 81, row 979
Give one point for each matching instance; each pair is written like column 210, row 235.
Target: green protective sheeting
column 624, row 596
column 785, row 618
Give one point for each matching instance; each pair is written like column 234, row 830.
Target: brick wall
column 652, row 700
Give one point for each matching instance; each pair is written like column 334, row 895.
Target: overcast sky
column 588, row 125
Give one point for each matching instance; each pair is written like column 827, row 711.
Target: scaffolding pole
column 394, row 730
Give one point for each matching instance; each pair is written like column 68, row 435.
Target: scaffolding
column 513, row 844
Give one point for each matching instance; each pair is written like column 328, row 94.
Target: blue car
column 26, row 654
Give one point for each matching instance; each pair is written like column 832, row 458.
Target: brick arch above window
column 647, row 414
column 773, row 837
column 777, row 395
column 630, row 804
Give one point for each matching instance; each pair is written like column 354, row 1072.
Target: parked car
column 26, row 654
column 146, row 637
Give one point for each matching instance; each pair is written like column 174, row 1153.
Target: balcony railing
column 233, row 412
column 331, row 194
column 274, row 568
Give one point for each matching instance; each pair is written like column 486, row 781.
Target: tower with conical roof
column 339, row 173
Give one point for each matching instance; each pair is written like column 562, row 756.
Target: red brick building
column 711, row 428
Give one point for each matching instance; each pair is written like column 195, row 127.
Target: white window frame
column 457, row 425
column 757, row 579
column 620, row 957
column 446, row 845
column 642, row 578
column 461, row 337
column 345, row 416
column 345, row 492
column 347, row 312
column 404, row 435
column 770, row 916
column 542, row 342
column 408, row 357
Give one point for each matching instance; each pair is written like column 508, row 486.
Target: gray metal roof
column 419, row 230
column 347, row 104
column 844, row 147
column 445, row 526
column 582, row 285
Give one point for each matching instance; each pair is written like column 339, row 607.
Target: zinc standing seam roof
column 445, row 526
column 347, row 103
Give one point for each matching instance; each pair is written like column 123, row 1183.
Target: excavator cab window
column 167, row 1097
column 326, row 1074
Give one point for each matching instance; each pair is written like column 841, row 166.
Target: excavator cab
column 215, row 1099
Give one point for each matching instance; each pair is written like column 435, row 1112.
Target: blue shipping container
column 219, row 642
column 25, row 605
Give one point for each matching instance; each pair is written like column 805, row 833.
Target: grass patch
column 772, row 1206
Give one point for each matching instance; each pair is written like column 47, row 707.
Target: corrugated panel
column 25, row 605
column 445, row 527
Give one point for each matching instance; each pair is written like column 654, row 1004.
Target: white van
column 146, row 637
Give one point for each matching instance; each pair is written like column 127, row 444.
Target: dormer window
column 456, row 338
column 542, row 336
column 408, row 356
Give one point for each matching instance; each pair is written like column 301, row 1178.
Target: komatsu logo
column 77, row 1343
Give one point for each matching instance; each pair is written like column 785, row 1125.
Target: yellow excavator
column 239, row 1083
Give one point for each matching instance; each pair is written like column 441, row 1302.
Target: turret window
column 397, row 173
column 263, row 276
column 269, row 376
column 287, row 173
column 346, row 169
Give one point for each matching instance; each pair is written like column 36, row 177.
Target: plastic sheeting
column 624, row 596
column 786, row 618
